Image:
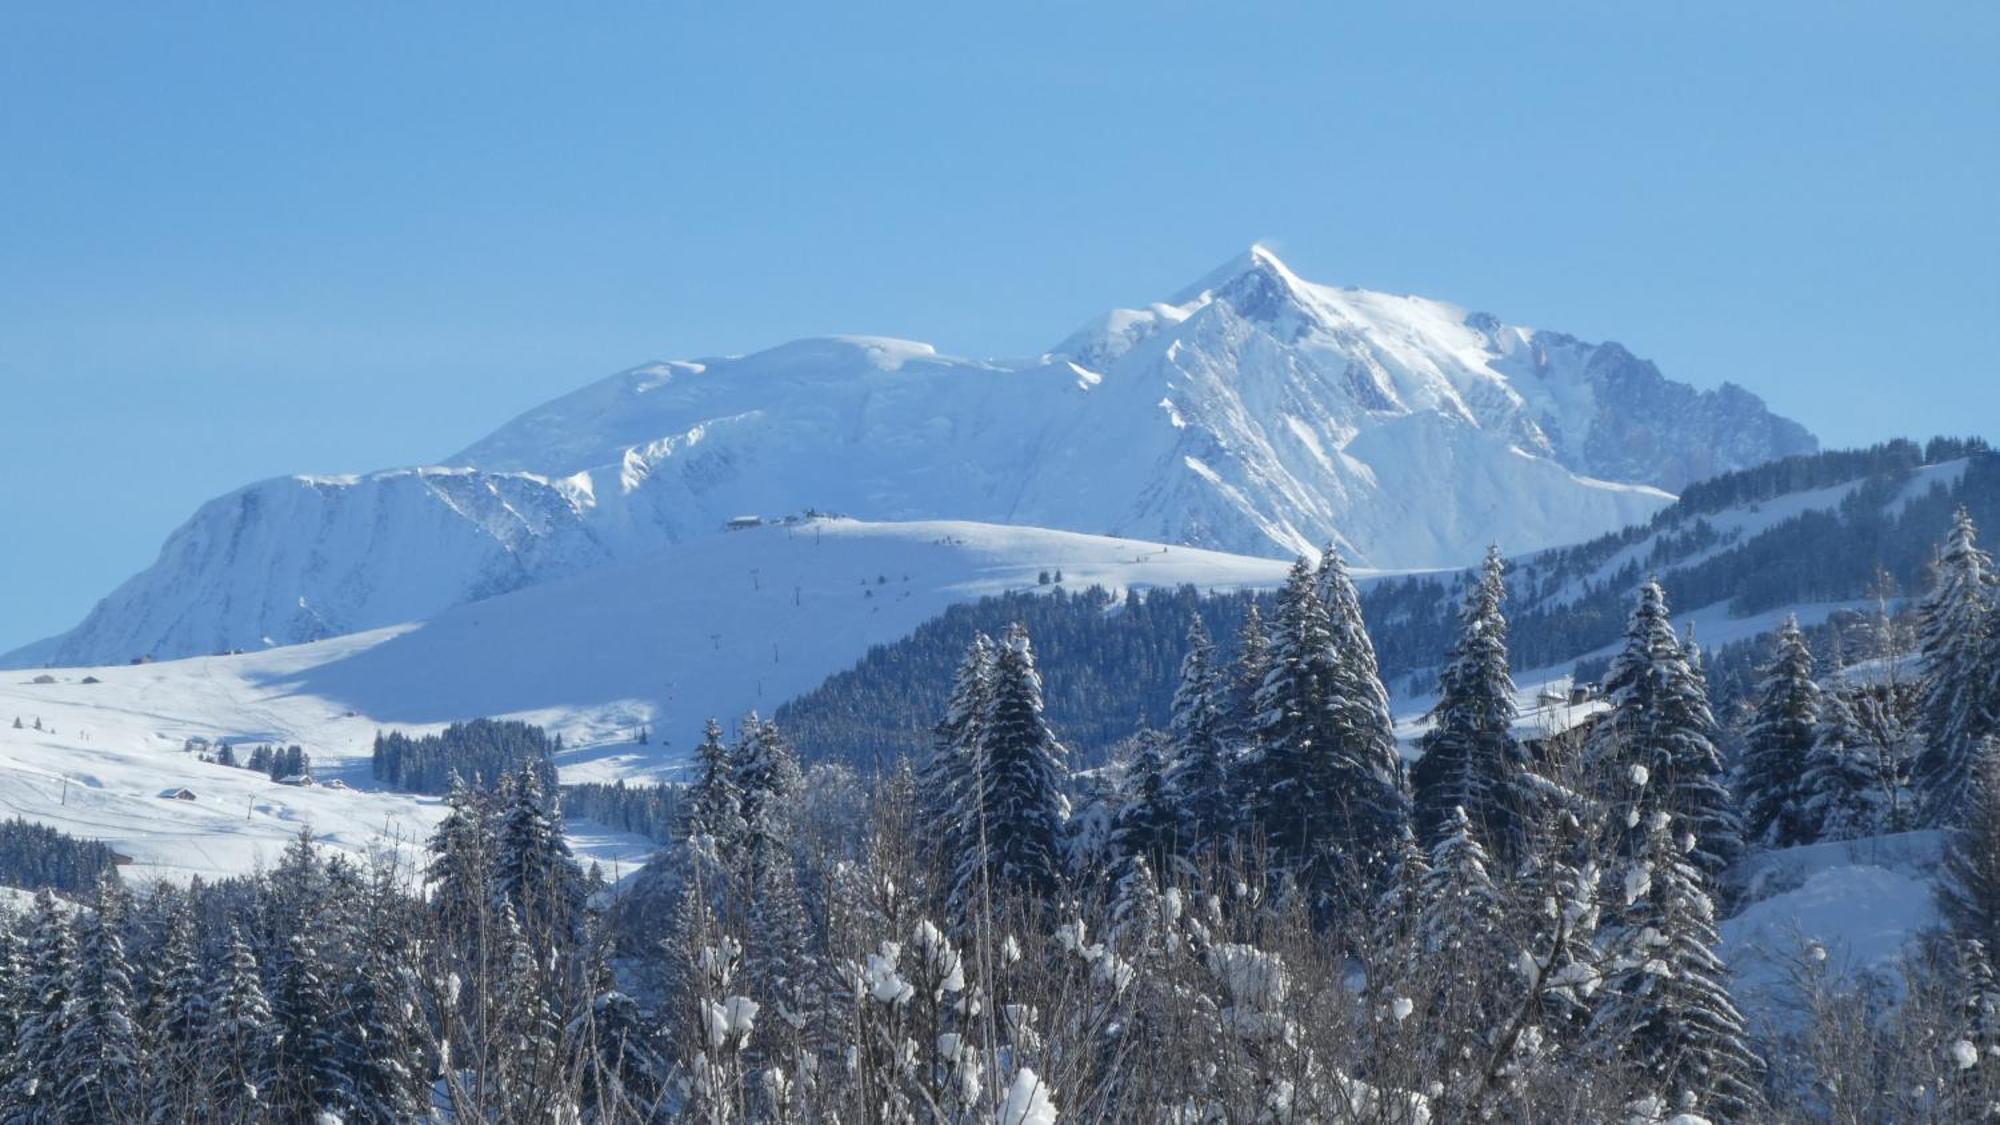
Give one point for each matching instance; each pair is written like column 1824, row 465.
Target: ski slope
column 718, row 627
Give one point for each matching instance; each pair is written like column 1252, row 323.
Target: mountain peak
column 1257, row 269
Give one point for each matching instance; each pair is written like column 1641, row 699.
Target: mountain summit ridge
column 1253, row 412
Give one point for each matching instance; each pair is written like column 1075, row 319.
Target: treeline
column 34, row 856
column 279, row 762
column 1808, row 471
column 650, row 810
column 1817, row 556
column 471, row 751
column 1110, row 664
column 1106, row 655
column 322, row 990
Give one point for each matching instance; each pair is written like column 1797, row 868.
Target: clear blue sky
column 239, row 241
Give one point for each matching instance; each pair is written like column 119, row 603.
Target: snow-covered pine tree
column 1666, row 1011
column 51, row 961
column 770, row 782
column 1955, row 642
column 1845, row 791
column 382, row 1049
column 1297, row 766
column 1776, row 799
column 460, row 870
column 1471, row 760
column 1657, row 750
column 176, row 1007
column 944, row 780
column 1019, row 775
column 1378, row 805
column 237, row 1054
column 1552, row 918
column 1968, row 888
column 1458, row 935
column 1148, row 822
column 1198, row 781
column 99, row 1059
column 1395, row 924
column 1458, row 903
column 779, row 964
column 1246, row 679
column 1329, row 795
column 307, row 1078
column 533, row 870
column 714, row 804
column 13, row 1004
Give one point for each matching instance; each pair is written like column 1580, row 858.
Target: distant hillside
column 1810, row 533
column 1814, row 530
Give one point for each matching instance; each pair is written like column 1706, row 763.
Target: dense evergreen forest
column 1109, row 660
column 34, row 856
column 480, row 749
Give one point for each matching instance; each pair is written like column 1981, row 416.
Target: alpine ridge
column 1253, row 412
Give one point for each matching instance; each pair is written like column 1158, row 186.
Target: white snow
column 654, row 644
column 1400, row 427
column 1858, row 902
column 1027, row 1102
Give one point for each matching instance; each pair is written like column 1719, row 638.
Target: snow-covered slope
column 1254, row 412
column 108, row 750
column 719, row 626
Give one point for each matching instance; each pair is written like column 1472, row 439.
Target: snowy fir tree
column 382, row 1046
column 779, row 959
column 534, row 873
column 1198, row 779
column 1394, row 929
column 1330, row 801
column 307, row 1078
column 1379, row 806
column 1296, row 768
column 45, row 998
column 1246, row 678
column 1459, row 929
column 1776, row 801
column 1667, row 1013
column 461, row 857
column 1657, row 752
column 526, row 1061
column 769, row 783
column 1471, row 760
column 714, row 803
column 1148, row 822
column 239, row 1042
column 1846, row 792
column 946, row 783
column 1018, row 776
column 98, row 1061
column 1955, row 644
column 1968, row 888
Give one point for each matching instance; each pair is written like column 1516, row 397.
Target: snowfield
column 719, row 627
column 1858, row 902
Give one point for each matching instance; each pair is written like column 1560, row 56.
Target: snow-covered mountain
column 1253, row 412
